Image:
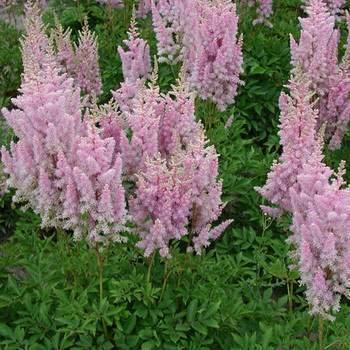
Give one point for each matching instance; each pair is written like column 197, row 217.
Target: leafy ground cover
column 57, row 292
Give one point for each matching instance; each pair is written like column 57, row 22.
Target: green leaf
column 199, row 327
column 174, row 337
column 257, row 70
column 210, row 323
column 5, row 331
column 267, row 294
column 182, row 327
column 149, row 345
column 146, row 333
column 170, row 346
column 130, row 324
column 62, row 296
column 56, row 340
column 13, row 284
column 108, row 345
column 132, row 340
column 212, row 310
column 282, row 301
column 267, row 335
column 19, row 334
column 192, row 310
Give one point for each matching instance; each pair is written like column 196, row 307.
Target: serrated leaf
column 132, row 340
column 107, row 346
column 148, row 345
column 56, row 340
column 61, row 295
column 182, row 327
column 211, row 310
column 257, row 70
column 130, row 324
column 192, row 310
column 174, row 337
column 282, row 301
column 267, row 294
column 5, row 331
column 210, row 323
column 199, row 327
column 266, row 337
column 146, row 334
column 169, row 346
column 13, row 284
column 19, row 334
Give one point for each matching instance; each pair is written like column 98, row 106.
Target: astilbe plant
column 86, row 69
column 174, row 22
column 202, row 35
column 136, row 61
column 3, row 178
column 68, row 166
column 175, row 173
column 178, row 124
column 143, row 121
column 158, row 123
column 263, row 8
column 321, row 212
column 215, row 60
column 35, row 42
column 334, row 6
column 65, row 52
column 61, row 166
column 317, row 57
column 136, row 65
column 82, row 61
column 177, row 198
column 144, row 7
column 297, row 137
column 301, row 184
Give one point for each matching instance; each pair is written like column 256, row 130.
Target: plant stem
column 290, row 300
column 150, row 266
column 100, row 268
column 59, row 234
column 111, row 25
column 79, row 12
column 320, row 332
column 66, row 240
column 164, row 281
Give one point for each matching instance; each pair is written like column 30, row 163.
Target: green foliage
column 49, row 298
column 239, row 294
column 10, row 63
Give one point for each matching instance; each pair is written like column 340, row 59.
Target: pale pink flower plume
column 321, row 212
column 334, row 7
column 178, row 198
column 136, row 65
column 136, row 62
column 320, row 207
column 297, row 137
column 203, row 36
column 86, row 69
column 316, row 56
column 215, row 59
column 263, row 8
column 61, row 166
